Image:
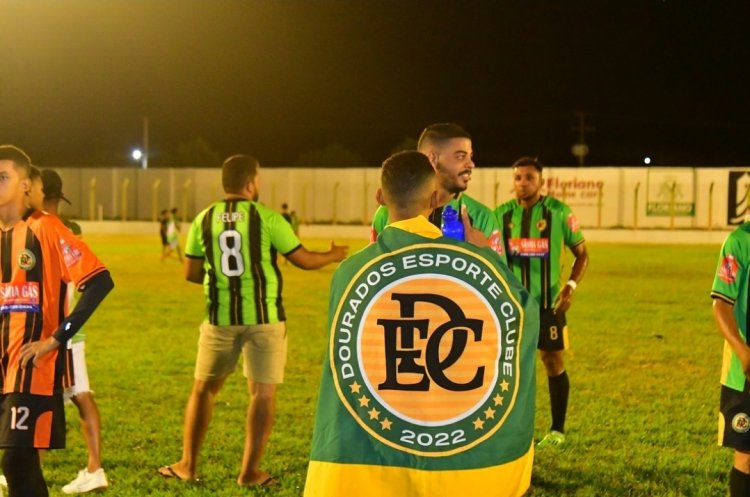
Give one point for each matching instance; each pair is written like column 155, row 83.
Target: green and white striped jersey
column 731, row 285
column 534, row 240
column 238, row 241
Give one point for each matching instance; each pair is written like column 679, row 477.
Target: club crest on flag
column 425, row 349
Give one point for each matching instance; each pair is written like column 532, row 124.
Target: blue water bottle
column 452, row 225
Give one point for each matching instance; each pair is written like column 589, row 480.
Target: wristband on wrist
column 572, row 284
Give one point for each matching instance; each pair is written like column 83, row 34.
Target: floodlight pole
column 144, row 158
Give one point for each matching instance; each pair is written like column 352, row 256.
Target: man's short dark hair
column 17, row 156
column 528, row 161
column 403, row 174
column 237, row 171
column 440, row 133
column 34, row 173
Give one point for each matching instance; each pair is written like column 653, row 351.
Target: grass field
column 644, row 370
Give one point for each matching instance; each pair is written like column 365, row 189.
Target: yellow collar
column 419, row 226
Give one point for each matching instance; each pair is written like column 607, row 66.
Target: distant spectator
column 285, row 213
column 294, row 222
column 173, row 235
column 163, row 222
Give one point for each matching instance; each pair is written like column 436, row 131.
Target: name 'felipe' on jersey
column 534, row 240
column 238, row 241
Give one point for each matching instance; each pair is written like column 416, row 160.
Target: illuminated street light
column 142, row 155
column 647, row 160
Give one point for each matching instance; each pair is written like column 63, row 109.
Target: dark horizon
column 282, row 80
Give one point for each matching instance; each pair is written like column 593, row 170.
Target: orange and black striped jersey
column 39, row 256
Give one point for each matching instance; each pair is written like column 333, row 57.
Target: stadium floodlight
column 136, row 154
column 647, row 160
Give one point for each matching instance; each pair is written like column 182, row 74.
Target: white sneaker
column 86, row 482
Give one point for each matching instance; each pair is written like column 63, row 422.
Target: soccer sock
column 24, row 473
column 559, row 387
column 739, row 483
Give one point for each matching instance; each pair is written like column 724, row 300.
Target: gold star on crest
column 478, row 424
column 364, row 401
column 374, row 413
column 505, row 385
column 498, row 399
column 355, row 387
column 386, row 424
column 489, row 413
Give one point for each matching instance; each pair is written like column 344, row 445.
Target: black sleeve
column 92, row 293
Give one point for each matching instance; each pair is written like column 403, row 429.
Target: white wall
column 601, row 197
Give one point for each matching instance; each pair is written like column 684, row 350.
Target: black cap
column 52, row 185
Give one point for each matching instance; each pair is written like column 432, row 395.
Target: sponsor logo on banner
column 22, row 297
column 528, row 247
column 737, row 197
column 424, row 349
column 670, row 192
column 574, row 191
column 728, row 269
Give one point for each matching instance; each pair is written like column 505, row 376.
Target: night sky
column 278, row 79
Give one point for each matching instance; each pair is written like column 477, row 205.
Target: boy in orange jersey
column 38, row 255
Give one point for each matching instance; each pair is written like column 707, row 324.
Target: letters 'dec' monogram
column 424, row 349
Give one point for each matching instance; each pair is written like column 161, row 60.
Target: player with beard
column 448, row 146
column 231, row 249
column 536, row 228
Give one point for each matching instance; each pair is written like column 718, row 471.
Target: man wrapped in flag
column 428, row 384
